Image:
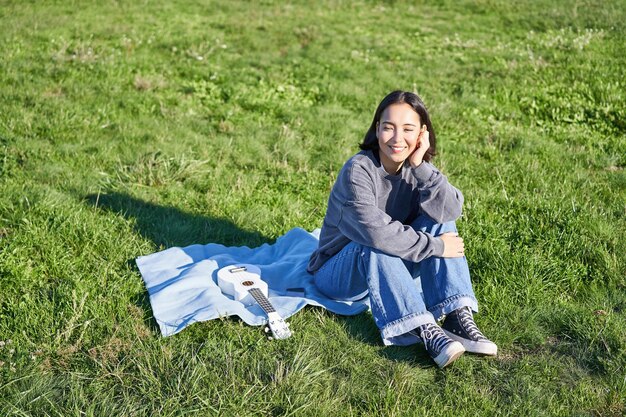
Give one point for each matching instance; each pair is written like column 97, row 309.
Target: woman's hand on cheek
column 423, row 143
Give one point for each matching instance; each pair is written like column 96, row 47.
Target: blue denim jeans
column 403, row 294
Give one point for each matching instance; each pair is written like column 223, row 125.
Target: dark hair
column 399, row 97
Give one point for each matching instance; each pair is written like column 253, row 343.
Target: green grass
column 130, row 127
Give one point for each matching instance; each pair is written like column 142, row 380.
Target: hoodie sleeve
column 438, row 198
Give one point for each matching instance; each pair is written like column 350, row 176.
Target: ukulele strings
column 257, row 294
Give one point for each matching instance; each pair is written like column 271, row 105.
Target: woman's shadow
column 168, row 227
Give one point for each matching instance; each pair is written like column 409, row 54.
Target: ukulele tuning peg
column 266, row 330
column 270, row 338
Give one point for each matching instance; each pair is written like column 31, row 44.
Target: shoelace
column 467, row 321
column 433, row 336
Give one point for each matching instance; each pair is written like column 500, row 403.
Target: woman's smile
column 397, row 149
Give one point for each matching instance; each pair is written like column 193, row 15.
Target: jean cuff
column 453, row 303
column 397, row 332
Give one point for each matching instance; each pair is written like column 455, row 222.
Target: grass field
column 130, row 127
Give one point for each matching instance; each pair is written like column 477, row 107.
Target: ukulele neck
column 258, row 296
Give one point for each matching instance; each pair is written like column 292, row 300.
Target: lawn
column 131, row 127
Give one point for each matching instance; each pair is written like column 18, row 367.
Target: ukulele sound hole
column 247, row 283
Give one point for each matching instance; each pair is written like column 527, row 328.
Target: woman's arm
column 370, row 226
column 437, row 197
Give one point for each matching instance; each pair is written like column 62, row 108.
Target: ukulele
column 243, row 282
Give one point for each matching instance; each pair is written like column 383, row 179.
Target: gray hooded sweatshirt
column 369, row 206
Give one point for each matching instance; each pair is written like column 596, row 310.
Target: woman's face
column 398, row 131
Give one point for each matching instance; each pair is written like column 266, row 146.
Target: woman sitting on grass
column 389, row 232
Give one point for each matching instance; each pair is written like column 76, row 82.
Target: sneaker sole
column 451, row 353
column 480, row 348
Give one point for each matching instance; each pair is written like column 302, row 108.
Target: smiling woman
column 389, row 233
column 401, row 120
column 399, row 134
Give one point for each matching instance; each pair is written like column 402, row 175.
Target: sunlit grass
column 129, row 128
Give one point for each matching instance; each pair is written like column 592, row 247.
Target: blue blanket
column 182, row 282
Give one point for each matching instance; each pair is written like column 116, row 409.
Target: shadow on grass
column 168, row 227
column 363, row 329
